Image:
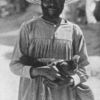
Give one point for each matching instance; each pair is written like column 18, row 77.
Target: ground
column 9, row 29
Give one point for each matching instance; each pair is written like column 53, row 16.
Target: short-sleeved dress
column 41, row 39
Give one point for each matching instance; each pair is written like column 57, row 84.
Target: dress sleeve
column 19, row 63
column 79, row 48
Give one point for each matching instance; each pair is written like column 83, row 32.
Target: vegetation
column 8, row 7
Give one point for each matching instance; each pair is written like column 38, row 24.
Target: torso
column 50, row 41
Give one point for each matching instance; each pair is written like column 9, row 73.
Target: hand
column 49, row 73
column 46, row 72
column 68, row 82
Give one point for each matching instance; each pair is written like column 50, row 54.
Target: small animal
column 67, row 68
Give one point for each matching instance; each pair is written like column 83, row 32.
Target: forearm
column 32, row 71
column 21, row 65
column 20, row 69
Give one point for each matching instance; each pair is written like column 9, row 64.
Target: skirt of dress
column 37, row 89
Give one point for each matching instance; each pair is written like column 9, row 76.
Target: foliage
column 9, row 7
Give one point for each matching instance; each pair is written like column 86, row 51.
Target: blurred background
column 85, row 13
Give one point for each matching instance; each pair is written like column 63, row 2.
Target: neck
column 56, row 20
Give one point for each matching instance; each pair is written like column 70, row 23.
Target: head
column 52, row 8
column 68, row 67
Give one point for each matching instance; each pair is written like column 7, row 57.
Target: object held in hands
column 58, row 72
column 67, row 68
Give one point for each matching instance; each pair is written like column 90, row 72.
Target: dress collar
column 63, row 21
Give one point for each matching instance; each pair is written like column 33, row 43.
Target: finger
column 55, row 68
column 51, row 77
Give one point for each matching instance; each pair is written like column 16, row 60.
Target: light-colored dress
column 42, row 39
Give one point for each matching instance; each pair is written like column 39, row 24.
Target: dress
column 42, row 39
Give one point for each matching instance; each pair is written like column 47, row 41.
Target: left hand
column 60, row 83
column 66, row 82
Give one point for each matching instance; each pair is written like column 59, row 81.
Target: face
column 52, row 8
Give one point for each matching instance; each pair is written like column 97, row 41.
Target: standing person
column 96, row 10
column 45, row 38
column 90, row 6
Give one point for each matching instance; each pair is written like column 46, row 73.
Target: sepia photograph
column 49, row 49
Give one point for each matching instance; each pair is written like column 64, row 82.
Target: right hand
column 48, row 73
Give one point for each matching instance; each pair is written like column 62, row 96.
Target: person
column 42, row 41
column 90, row 6
column 96, row 10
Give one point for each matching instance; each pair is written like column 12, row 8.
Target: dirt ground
column 9, row 29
